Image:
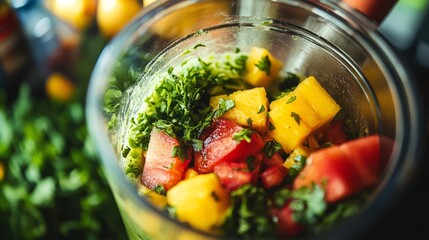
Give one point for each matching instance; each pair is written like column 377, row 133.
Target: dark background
column 408, row 217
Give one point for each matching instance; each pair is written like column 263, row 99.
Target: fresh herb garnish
column 249, row 122
column 296, row 117
column 271, row 148
column 247, row 216
column 250, row 163
column 261, row 109
column 181, row 98
column 264, row 64
column 271, row 126
column 160, row 189
column 245, row 134
column 199, row 45
column 293, row 172
column 291, row 99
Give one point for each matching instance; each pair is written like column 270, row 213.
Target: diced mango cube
column 251, row 107
column 287, row 128
column 297, row 114
column 190, row 172
column 261, row 67
column 155, row 198
column 200, row 201
column 300, row 150
column 296, row 102
column 318, row 98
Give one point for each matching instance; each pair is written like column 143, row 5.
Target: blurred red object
column 375, row 10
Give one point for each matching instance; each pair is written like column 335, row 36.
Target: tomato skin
column 219, row 146
column 233, row 175
column 275, row 160
column 336, row 133
column 161, row 168
column 343, row 170
column 273, row 176
column 286, row 226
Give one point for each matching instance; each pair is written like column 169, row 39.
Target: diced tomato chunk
column 286, row 226
column 275, row 160
column 233, row 175
column 273, row 176
column 336, row 133
column 161, row 168
column 220, row 146
column 343, row 170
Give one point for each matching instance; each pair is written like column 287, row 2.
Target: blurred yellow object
column 1, row 171
column 78, row 13
column 155, row 198
column 147, row 2
column 113, row 15
column 59, row 87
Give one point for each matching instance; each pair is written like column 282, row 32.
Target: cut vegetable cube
column 299, row 151
column 200, row 201
column 297, row 104
column 287, row 128
column 297, row 114
column 251, row 107
column 318, row 98
column 261, row 67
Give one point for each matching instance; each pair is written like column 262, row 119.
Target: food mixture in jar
column 230, row 144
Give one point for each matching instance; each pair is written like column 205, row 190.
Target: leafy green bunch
column 52, row 186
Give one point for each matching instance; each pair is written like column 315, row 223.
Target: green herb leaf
column 271, row 148
column 160, row 189
column 271, row 126
column 264, row 64
column 296, row 117
column 261, row 109
column 291, row 99
column 245, row 134
column 249, row 122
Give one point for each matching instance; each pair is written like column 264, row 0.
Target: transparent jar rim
column 338, row 14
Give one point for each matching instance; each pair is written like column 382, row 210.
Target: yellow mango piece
column 190, row 172
column 287, row 131
column 155, row 198
column 250, row 109
column 297, row 104
column 318, row 98
column 200, row 201
column 261, row 77
column 300, row 150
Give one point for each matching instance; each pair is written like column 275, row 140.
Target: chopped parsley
column 264, row 64
column 291, row 99
column 249, row 122
column 181, row 100
column 261, row 109
column 296, row 117
column 271, row 148
column 271, row 126
column 250, row 161
column 160, row 189
column 245, row 134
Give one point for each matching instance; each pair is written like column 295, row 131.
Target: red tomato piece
column 366, row 157
column 343, row 170
column 336, row 133
column 273, row 176
column 219, row 146
column 275, row 160
column 233, row 175
column 286, row 226
column 161, row 168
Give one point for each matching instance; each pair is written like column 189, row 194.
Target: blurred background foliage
column 51, row 183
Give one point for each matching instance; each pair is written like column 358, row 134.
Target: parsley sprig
column 181, row 100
